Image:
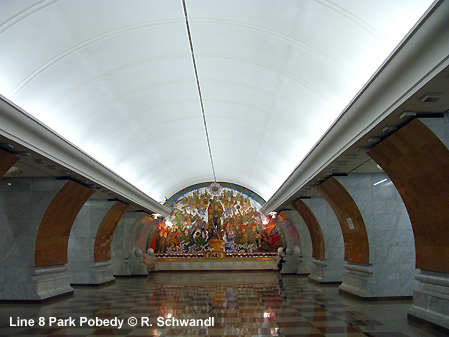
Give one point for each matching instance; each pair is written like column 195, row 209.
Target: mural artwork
column 203, row 217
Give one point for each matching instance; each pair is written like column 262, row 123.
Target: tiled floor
column 242, row 304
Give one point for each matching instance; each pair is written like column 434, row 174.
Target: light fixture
column 407, row 114
column 380, row 182
column 389, row 128
column 351, row 156
column 362, row 149
column 342, row 162
column 374, row 140
column 7, row 146
column 431, row 97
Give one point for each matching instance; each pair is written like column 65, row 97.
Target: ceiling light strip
column 199, row 88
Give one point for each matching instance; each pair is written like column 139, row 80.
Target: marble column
column 330, row 269
column 83, row 268
column 431, row 294
column 391, row 244
column 430, row 298
column 416, row 157
column 120, row 244
column 138, row 240
column 23, row 202
column 306, row 243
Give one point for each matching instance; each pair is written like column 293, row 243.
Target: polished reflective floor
column 210, row 304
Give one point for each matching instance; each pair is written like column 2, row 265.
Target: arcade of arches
column 312, row 191
column 379, row 236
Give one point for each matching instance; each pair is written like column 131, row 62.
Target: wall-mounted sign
column 350, row 223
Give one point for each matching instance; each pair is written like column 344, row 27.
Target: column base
column 431, row 299
column 290, row 266
column 357, row 280
column 301, row 267
column 137, row 266
column 320, row 273
column 49, row 282
column 100, row 272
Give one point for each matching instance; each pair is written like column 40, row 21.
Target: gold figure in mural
column 162, row 242
column 214, row 213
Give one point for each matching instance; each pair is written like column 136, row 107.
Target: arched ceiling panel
column 116, row 79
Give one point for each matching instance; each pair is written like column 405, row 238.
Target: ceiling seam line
column 199, row 88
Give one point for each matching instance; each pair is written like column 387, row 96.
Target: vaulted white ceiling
column 116, row 79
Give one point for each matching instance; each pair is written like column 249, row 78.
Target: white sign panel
column 350, row 223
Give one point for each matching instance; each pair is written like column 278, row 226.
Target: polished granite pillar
column 431, row 295
column 430, row 299
column 121, row 254
column 138, row 239
column 23, row 203
column 83, row 268
column 330, row 269
column 306, row 242
column 391, row 245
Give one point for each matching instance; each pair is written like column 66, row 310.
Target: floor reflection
column 240, row 304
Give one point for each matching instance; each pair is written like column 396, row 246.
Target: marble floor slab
column 241, row 304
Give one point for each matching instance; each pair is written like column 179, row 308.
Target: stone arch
column 350, row 219
column 54, row 229
column 316, row 235
column 417, row 162
column 292, row 235
column 140, row 232
column 105, row 233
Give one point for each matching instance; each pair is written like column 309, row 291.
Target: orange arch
column 316, row 235
column 350, row 219
column 54, row 230
column 105, row 233
column 417, row 162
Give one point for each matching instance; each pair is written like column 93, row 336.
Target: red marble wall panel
column 7, row 160
column 417, row 162
column 354, row 234
column 54, row 230
column 105, row 233
column 318, row 249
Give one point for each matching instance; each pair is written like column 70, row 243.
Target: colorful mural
column 224, row 213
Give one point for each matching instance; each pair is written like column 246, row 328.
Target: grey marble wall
column 82, row 241
column 439, row 126
column 333, row 239
column 23, row 202
column 391, row 241
column 120, row 243
column 304, row 237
